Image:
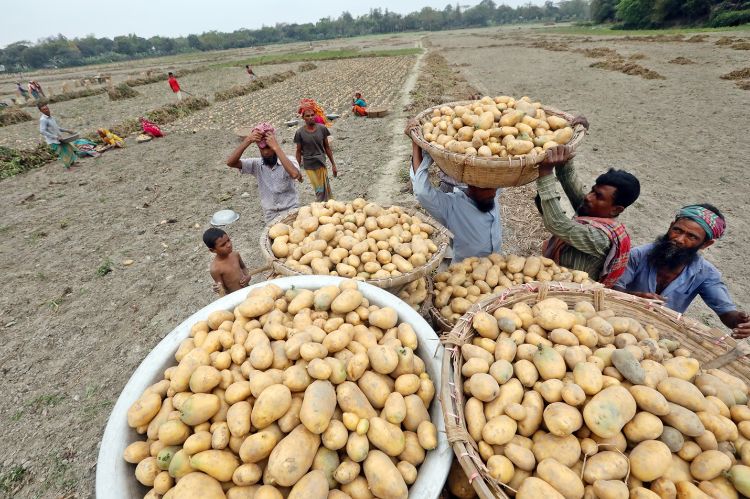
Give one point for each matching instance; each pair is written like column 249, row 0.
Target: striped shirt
column 278, row 194
column 587, row 246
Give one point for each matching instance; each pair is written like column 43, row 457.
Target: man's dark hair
column 41, row 104
column 211, row 236
column 170, row 74
column 712, row 208
column 627, row 187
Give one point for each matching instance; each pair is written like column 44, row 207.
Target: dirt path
column 388, row 188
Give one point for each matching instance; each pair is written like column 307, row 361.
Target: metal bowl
column 70, row 138
column 291, row 123
column 224, row 217
column 332, row 116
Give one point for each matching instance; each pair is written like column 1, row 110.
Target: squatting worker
column 471, row 215
column 52, row 133
column 312, row 149
column 275, row 171
column 671, row 269
column 594, row 240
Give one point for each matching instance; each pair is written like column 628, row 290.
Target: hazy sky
column 32, row 20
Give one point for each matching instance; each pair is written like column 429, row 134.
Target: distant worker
column 472, row 216
column 110, row 138
column 150, row 128
column 22, row 92
column 275, row 171
column 250, row 72
column 52, row 134
column 312, row 149
column 359, row 105
column 175, row 85
column 35, row 89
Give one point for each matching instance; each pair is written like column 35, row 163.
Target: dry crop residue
column 13, row 116
column 739, row 74
column 628, row 68
column 681, row 60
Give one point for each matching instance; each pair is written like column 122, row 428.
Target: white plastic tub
column 115, row 478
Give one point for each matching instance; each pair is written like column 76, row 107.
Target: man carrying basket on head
column 672, row 270
column 471, row 215
column 594, row 241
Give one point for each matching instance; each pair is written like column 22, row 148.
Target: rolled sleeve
column 716, row 295
column 249, row 166
column 435, row 201
column 627, row 279
column 584, row 238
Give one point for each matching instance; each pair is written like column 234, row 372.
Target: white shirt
column 475, row 233
column 277, row 190
column 49, row 129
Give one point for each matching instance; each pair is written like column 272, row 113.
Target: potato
column 644, row 426
column 147, row 470
column 605, row 465
column 383, row 478
column 683, row 393
column 484, row 387
column 521, row 457
column 550, row 318
column 292, row 457
column 144, row 409
column 566, row 450
column 173, row 432
column 313, row 485
column 499, row 430
column 534, row 488
column 427, row 435
column 564, row 480
column 259, row 445
column 238, row 418
column 199, row 408
column 549, row 363
column 347, row 301
column 609, row 410
column 272, row 403
column 219, row 464
column 136, row 452
column 650, row 460
column 709, row 465
column 562, row 419
column 416, row 412
column 198, row 485
column 383, row 359
column 351, row 399
column 684, row 420
column 486, row 325
column 384, row 318
column 672, row 438
column 649, row 400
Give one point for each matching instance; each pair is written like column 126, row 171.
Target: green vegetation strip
column 320, row 55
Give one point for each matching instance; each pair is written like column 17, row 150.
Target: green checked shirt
column 587, row 246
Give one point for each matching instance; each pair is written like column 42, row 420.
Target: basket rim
column 441, row 237
column 579, row 131
column 451, row 384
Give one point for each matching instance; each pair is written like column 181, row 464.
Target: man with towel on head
column 672, row 270
column 275, row 171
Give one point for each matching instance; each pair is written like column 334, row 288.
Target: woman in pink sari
column 150, row 128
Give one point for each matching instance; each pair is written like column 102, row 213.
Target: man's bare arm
column 298, row 154
column 233, row 161
column 288, row 166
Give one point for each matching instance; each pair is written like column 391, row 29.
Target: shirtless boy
column 227, row 268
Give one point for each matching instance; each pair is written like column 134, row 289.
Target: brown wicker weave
column 704, row 343
column 440, row 236
column 489, row 172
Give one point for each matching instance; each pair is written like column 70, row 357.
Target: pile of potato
column 496, row 128
column 415, row 293
column 571, row 403
column 298, row 394
column 473, row 279
column 359, row 240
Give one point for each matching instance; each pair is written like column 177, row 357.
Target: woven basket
column 704, row 344
column 489, row 172
column 440, row 236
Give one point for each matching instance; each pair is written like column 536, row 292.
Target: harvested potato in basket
column 496, row 127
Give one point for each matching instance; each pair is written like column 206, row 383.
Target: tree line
column 59, row 51
column 666, row 13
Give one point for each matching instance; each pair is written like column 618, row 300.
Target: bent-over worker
column 471, row 215
column 672, row 269
column 275, row 171
column 594, row 240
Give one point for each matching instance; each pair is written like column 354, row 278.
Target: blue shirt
column 698, row 278
column 474, row 233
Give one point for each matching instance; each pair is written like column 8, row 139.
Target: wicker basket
column 704, row 343
column 441, row 237
column 489, row 172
